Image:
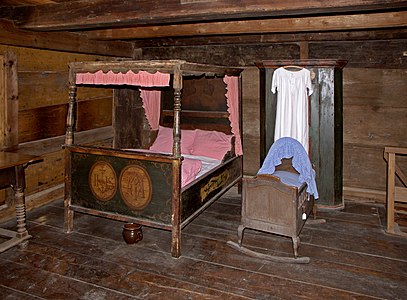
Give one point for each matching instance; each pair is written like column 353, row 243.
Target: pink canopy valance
column 151, row 104
column 141, row 78
column 232, row 96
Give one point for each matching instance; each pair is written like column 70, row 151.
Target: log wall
column 42, row 105
column 375, row 103
column 375, row 116
column 375, row 106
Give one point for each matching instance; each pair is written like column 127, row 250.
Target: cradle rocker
column 280, row 198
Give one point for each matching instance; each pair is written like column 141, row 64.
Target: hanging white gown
column 293, row 89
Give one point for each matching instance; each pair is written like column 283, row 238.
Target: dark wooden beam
column 61, row 41
column 276, row 25
column 6, row 12
column 353, row 35
column 384, row 54
column 84, row 14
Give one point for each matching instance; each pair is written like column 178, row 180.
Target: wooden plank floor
column 351, row 258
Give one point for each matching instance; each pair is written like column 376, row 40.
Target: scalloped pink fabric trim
column 142, row 78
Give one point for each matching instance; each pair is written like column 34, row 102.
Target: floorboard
column 351, row 258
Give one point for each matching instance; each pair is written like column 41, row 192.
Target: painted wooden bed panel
column 98, row 186
column 122, row 185
column 208, row 188
column 129, row 185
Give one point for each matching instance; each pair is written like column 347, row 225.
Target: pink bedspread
column 189, row 168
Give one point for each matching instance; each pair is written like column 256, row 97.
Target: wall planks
column 375, row 116
column 61, row 41
column 42, row 97
column 49, row 121
column 374, row 89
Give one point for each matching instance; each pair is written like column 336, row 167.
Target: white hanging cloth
column 293, row 89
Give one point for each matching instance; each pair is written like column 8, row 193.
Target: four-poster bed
column 156, row 185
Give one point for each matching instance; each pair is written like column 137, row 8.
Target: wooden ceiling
column 193, row 22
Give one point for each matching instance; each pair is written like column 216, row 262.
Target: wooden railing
column 396, row 195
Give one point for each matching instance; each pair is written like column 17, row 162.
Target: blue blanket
column 287, row 147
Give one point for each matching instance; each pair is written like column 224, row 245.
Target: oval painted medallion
column 135, row 187
column 102, row 181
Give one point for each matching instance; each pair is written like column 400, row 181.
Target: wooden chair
column 396, row 195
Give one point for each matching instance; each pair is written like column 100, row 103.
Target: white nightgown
column 293, row 89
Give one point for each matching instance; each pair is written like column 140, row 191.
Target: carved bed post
column 176, row 206
column 69, row 140
column 70, row 119
column 177, row 111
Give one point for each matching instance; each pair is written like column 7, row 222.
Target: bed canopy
column 156, row 74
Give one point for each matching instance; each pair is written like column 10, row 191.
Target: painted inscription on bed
column 134, row 184
column 135, row 187
column 214, row 184
column 102, row 181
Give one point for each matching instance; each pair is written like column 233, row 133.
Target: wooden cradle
column 144, row 187
column 270, row 205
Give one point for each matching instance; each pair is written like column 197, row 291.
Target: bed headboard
column 203, row 105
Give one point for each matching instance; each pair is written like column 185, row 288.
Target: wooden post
column 176, row 167
column 8, row 101
column 390, row 191
column 304, row 50
column 69, row 140
column 8, row 110
column 20, row 202
column 177, row 112
column 68, row 213
column 70, row 119
column 176, row 210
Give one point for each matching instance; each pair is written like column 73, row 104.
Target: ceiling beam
column 85, row 14
column 62, row 41
column 354, row 35
column 277, row 25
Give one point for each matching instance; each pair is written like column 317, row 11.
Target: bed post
column 70, row 119
column 69, row 140
column 177, row 111
column 176, row 187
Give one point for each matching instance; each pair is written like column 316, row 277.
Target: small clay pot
column 132, row 233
